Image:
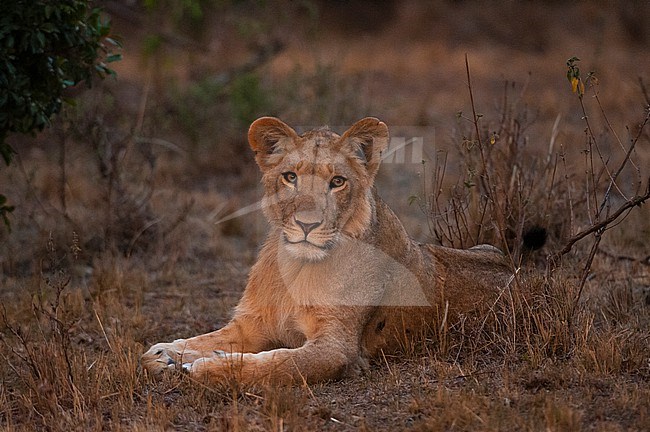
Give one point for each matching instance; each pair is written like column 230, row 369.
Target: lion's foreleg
column 238, row 336
column 315, row 361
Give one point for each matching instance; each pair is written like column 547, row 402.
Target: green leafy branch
column 46, row 46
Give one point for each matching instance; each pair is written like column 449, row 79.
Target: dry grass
column 121, row 250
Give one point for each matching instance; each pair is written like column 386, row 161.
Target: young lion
column 338, row 279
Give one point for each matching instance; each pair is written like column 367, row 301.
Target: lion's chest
column 355, row 274
column 343, row 279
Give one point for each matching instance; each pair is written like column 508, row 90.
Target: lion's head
column 318, row 184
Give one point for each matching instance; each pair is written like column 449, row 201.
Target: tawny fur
column 338, row 279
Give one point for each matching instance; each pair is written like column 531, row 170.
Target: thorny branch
column 632, row 202
column 599, row 227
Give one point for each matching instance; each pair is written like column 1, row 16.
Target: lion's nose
column 307, row 227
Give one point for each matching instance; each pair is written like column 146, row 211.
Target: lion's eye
column 337, row 182
column 290, row 177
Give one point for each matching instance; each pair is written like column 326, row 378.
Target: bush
column 46, row 47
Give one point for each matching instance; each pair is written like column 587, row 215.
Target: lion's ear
column 369, row 138
column 268, row 137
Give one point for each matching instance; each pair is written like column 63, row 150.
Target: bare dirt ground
column 116, row 240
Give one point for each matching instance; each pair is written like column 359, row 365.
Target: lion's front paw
column 217, row 367
column 204, row 366
column 163, row 356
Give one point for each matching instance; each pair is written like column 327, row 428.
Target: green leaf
column 113, row 42
column 4, row 211
column 6, row 152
